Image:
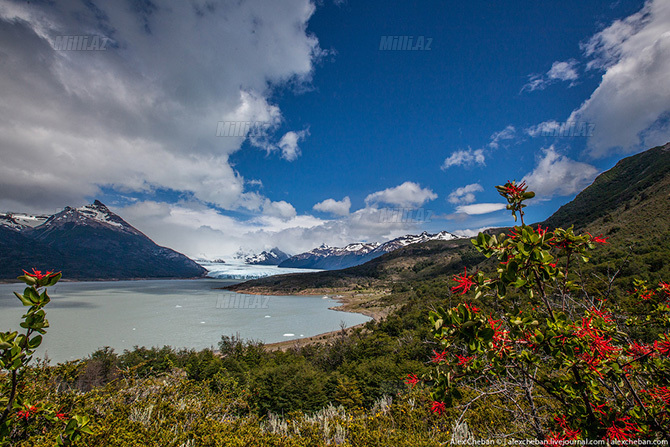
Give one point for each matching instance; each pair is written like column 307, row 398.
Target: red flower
column 664, row 287
column 602, row 314
column 463, row 360
column 513, row 234
column 568, row 433
column 663, row 346
column 471, row 308
column 38, row 274
column 62, row 416
column 542, row 231
column 412, row 379
column 27, row 412
column 464, row 283
column 639, row 350
column 661, row 393
column 592, row 362
column 437, row 358
column 515, row 191
column 598, row 239
column 645, row 294
column 621, row 430
column 599, row 409
column 500, row 340
column 438, row 407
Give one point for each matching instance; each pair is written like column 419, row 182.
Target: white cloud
column 465, row 194
column 467, row 157
column 281, row 209
column 409, row 194
column 469, row 232
column 480, row 208
column 143, row 114
column 630, row 108
column 198, row 231
column 557, row 175
column 544, row 128
column 563, row 71
column 507, row 133
column 559, row 71
column 289, row 144
column 332, row 206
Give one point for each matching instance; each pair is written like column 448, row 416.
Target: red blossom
column 664, row 287
column 515, row 191
column 661, row 393
column 542, row 231
column 463, row 360
column 602, row 314
column 568, row 433
column 412, row 380
column 553, row 264
column 513, row 234
column 663, row 346
column 439, row 357
column 27, row 412
column 38, row 274
column 646, row 294
column 598, row 239
column 599, row 409
column 639, row 349
column 621, row 430
column 465, row 283
column 62, row 416
column 471, row 308
column 592, row 362
column 500, row 339
column 438, row 408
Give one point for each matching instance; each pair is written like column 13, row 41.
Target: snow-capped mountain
column 90, row 242
column 334, row 258
column 272, row 257
column 21, row 221
column 95, row 215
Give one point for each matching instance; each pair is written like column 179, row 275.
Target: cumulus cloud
column 409, row 194
column 465, row 158
column 480, row 208
column 289, row 144
column 465, row 194
column 507, row 133
column 559, row 71
column 332, row 206
column 171, row 72
column 630, row 109
column 558, row 175
column 280, row 209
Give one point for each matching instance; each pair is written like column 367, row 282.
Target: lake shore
column 363, row 302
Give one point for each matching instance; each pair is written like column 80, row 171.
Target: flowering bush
column 563, row 358
column 19, row 417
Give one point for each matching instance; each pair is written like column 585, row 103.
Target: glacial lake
column 85, row 316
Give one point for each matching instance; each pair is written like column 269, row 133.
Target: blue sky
column 347, row 134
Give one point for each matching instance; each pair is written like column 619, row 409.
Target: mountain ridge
column 351, row 255
column 89, row 242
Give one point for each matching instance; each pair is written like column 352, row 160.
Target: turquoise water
column 85, row 316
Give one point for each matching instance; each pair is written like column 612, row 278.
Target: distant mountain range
column 335, row 258
column 272, row 257
column 90, row 242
